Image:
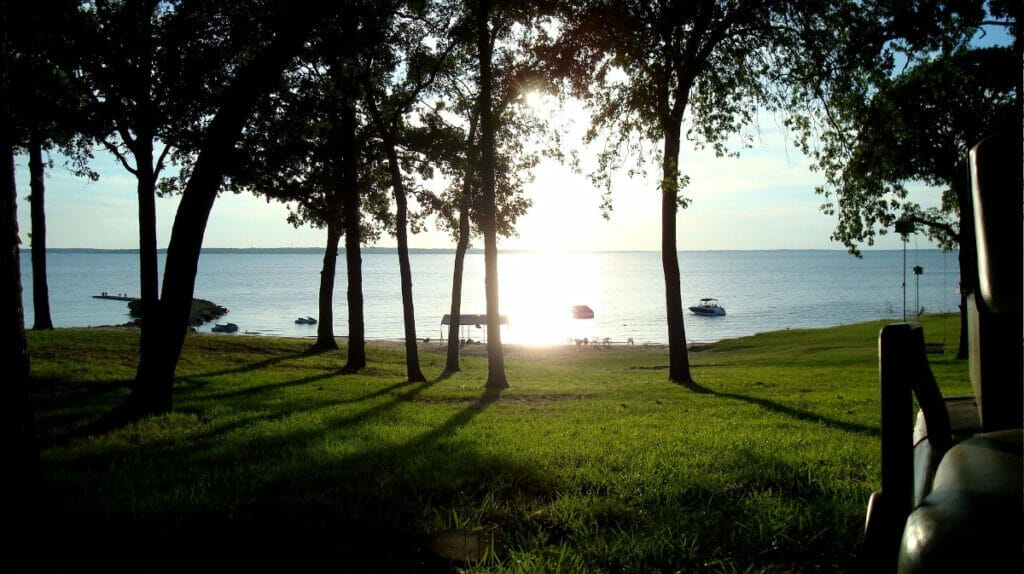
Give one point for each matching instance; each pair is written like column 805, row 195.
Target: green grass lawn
column 592, row 462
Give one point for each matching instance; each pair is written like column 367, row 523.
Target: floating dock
column 118, row 297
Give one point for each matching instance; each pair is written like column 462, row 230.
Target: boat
column 305, row 321
column 708, row 306
column 225, row 328
column 582, row 312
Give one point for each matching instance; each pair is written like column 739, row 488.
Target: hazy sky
column 763, row 199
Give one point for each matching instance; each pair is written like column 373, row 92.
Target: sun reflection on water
column 538, row 292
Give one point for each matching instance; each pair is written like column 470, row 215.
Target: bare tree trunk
column 23, row 477
column 496, row 377
column 679, row 360
column 325, row 323
column 452, row 361
column 37, row 204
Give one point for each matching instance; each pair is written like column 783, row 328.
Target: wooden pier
column 118, row 297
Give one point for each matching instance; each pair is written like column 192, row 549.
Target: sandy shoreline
column 475, row 349
column 440, row 347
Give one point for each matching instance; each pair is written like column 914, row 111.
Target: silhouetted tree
column 412, row 51
column 648, row 68
column 905, row 97
column 496, row 378
column 461, row 230
column 288, row 25
column 48, row 110
column 22, row 486
column 130, row 96
column 151, row 69
column 502, row 30
column 309, row 149
column 919, row 127
column 453, row 125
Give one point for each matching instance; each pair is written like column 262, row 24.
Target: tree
column 288, row 24
column 452, row 140
column 151, row 69
column 24, row 480
column 120, row 73
column 496, row 378
column 461, row 229
column 881, row 126
column 48, row 111
column 919, row 127
column 308, row 148
column 649, row 69
column 403, row 67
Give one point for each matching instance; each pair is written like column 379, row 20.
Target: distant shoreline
column 441, row 251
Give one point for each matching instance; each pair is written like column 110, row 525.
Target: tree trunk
column 496, row 378
column 679, row 360
column 149, row 267
column 966, row 257
column 354, row 267
column 23, row 476
column 165, row 328
column 968, row 272
column 353, row 238
column 412, row 356
column 452, row 361
column 461, row 246
column 325, row 323
column 40, row 286
column 145, row 174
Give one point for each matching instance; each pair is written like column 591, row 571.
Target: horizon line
column 470, row 250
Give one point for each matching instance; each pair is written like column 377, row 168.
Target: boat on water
column 582, row 312
column 225, row 328
column 305, row 321
column 708, row 306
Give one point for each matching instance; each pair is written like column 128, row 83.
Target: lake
column 266, row 290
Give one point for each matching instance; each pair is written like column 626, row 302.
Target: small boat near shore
column 305, row 321
column 225, row 328
column 708, row 307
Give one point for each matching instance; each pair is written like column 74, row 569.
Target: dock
column 118, row 297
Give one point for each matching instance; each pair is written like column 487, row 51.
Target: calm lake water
column 266, row 290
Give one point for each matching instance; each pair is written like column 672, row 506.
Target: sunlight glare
column 539, row 290
column 538, row 101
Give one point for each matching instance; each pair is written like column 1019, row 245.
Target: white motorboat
column 708, row 306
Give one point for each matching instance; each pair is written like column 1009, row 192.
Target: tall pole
column 904, row 227
column 904, row 277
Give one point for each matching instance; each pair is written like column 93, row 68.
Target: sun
column 539, row 102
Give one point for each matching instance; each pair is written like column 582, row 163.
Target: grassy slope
column 592, row 461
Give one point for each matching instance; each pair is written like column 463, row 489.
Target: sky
column 763, row 199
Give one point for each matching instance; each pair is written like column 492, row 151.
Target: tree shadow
column 801, row 415
column 248, row 368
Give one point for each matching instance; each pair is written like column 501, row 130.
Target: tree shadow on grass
column 300, row 507
column 801, row 415
column 247, row 368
